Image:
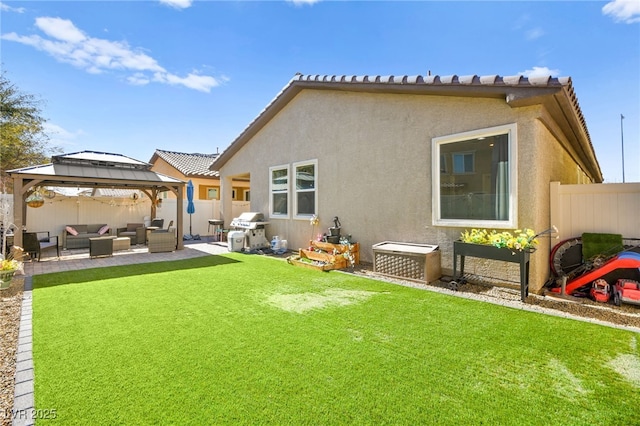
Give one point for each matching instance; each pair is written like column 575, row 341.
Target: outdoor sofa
column 77, row 236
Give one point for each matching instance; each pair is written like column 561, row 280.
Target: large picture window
column 477, row 187
column 305, row 188
column 279, row 189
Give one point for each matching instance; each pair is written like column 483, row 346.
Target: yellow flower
column 520, row 239
column 9, row 265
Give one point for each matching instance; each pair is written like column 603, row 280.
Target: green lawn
column 248, row 339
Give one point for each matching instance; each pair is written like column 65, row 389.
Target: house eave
column 516, row 91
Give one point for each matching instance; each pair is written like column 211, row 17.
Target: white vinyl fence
column 117, row 212
column 612, row 208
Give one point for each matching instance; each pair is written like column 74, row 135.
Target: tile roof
column 189, row 164
column 516, row 90
column 488, row 80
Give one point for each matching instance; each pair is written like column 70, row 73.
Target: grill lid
column 249, row 220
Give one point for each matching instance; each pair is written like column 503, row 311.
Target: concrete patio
column 73, row 260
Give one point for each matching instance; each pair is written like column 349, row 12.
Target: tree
column 22, row 137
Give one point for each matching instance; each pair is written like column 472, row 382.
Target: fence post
column 554, row 208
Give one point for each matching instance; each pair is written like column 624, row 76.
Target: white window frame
column 295, row 191
column 512, row 223
column 288, row 191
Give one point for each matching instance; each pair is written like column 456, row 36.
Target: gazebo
column 91, row 169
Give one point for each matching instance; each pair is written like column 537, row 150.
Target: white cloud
column 7, row 8
column 540, row 72
column 178, row 4
column 627, row 11
column 62, row 29
column 59, row 136
column 138, row 79
column 303, row 2
column 534, row 33
column 67, row 43
column 203, row 83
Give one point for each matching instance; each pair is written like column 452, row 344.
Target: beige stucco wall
column 374, row 167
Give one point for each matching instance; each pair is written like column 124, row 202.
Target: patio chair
column 157, row 223
column 164, row 230
column 36, row 242
column 162, row 241
column 135, row 231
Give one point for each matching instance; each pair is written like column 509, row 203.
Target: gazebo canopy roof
column 91, row 169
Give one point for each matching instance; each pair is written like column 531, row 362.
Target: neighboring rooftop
column 188, row 164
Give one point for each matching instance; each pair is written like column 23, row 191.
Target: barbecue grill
column 253, row 224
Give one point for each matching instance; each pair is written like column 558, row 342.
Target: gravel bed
column 10, row 306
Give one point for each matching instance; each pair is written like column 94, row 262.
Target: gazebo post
column 153, row 196
column 19, row 210
column 180, row 215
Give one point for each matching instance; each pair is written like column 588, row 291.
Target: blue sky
column 134, row 76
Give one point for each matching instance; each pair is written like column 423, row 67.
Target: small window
column 279, row 189
column 212, row 193
column 463, row 162
column 305, row 189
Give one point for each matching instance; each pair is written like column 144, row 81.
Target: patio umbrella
column 191, row 209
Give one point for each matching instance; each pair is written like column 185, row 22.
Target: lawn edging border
column 24, row 394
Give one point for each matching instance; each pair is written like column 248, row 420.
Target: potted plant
column 504, row 246
column 8, row 268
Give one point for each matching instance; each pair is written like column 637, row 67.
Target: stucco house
column 195, row 167
column 413, row 159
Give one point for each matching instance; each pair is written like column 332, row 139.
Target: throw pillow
column 71, row 230
column 103, row 230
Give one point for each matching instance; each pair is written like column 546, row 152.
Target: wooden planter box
column 494, row 253
column 329, row 261
column 339, row 248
